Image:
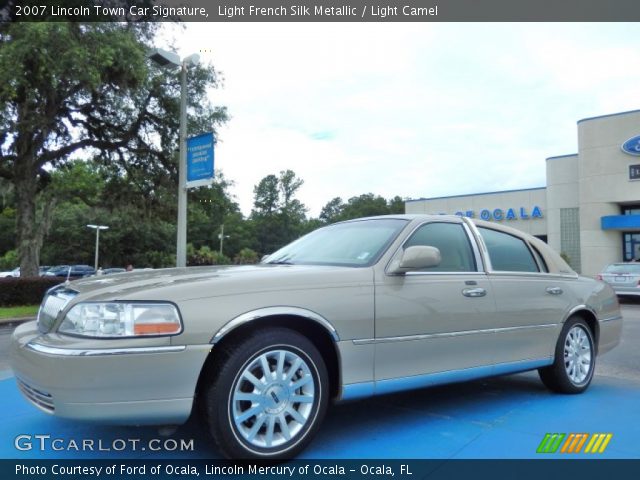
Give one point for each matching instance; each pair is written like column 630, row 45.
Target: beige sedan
column 355, row 309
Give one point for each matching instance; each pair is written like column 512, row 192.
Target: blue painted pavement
column 504, row 417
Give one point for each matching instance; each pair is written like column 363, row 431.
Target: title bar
column 324, row 11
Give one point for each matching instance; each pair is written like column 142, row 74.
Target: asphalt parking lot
column 505, row 417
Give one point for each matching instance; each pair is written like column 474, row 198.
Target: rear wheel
column 575, row 359
column 268, row 397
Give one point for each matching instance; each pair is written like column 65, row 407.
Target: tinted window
column 453, row 243
column 356, row 243
column 508, row 253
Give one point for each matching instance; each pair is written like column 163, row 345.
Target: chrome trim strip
column 477, row 238
column 272, row 311
column 538, row 275
column 576, row 309
column 73, row 352
column 418, row 274
column 480, row 265
column 408, row 338
column 611, row 319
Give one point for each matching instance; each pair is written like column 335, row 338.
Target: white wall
column 562, row 192
column 604, row 184
column 491, row 201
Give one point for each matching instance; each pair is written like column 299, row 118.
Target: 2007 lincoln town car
column 355, row 309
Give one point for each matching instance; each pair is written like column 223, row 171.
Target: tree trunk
column 26, row 185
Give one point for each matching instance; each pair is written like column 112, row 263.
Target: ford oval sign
column 632, row 146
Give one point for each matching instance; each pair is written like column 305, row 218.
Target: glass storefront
column 631, row 245
column 631, row 240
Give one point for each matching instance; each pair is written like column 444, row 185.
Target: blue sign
column 632, row 146
column 200, row 158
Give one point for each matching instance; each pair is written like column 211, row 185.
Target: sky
column 417, row 110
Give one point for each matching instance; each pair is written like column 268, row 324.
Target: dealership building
column 590, row 208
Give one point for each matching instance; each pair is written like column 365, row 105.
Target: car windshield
column 623, row 268
column 356, row 244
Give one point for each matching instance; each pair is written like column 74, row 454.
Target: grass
column 22, row 311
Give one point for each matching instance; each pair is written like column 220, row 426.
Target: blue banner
column 200, row 157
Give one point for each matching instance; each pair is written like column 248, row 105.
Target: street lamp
column 167, row 59
column 222, row 236
column 98, row 228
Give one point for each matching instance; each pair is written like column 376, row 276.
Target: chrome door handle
column 474, row 292
column 554, row 290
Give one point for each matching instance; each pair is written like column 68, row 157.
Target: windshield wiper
column 280, row 262
column 284, row 260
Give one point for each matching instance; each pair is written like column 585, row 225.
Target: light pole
column 98, row 228
column 222, row 236
column 168, row 59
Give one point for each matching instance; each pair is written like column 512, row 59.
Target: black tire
column 270, row 407
column 562, row 376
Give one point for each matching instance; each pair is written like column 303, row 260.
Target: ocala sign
column 499, row 214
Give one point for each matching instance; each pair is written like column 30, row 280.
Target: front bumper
column 116, row 383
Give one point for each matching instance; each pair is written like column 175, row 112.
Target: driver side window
column 453, row 243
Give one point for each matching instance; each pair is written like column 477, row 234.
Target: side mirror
column 417, row 257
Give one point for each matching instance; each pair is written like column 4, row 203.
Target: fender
column 274, row 311
column 577, row 309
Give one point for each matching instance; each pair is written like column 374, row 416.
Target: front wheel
column 575, row 359
column 268, row 396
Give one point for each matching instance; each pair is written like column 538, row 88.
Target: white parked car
column 13, row 273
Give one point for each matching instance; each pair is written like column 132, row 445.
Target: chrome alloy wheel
column 577, row 355
column 273, row 398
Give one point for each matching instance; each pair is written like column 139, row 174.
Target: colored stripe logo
column 574, row 443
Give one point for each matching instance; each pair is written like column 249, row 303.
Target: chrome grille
column 52, row 305
column 40, row 399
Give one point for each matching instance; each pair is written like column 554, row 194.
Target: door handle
column 474, row 292
column 554, row 290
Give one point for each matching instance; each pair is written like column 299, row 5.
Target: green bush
column 246, row 256
column 205, row 256
column 9, row 260
column 25, row 291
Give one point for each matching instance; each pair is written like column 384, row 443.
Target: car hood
column 177, row 284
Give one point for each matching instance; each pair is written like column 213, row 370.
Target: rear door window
column 507, row 252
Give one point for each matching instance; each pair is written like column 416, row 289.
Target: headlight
column 116, row 319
